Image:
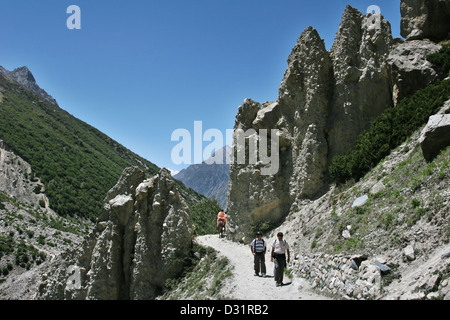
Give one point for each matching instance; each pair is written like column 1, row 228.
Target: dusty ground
column 244, row 285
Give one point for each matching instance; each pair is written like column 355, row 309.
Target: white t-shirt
column 280, row 247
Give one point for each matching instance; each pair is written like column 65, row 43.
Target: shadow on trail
column 271, row 277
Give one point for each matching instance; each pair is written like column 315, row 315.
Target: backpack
column 263, row 241
column 277, row 254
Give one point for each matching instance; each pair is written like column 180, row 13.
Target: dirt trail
column 244, row 285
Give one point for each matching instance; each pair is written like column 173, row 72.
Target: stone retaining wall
column 354, row 277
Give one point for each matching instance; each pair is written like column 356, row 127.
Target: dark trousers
column 279, row 265
column 260, row 263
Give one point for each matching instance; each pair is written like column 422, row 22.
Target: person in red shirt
column 222, row 216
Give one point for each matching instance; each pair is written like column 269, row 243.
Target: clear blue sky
column 137, row 70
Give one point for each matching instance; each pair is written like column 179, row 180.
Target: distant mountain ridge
column 207, row 178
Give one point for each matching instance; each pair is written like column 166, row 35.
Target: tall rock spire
column 326, row 99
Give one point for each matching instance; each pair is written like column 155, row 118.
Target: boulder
column 435, row 136
column 422, row 19
column 377, row 187
column 384, row 269
column 446, row 254
column 409, row 252
column 346, row 234
column 431, row 282
column 360, row 201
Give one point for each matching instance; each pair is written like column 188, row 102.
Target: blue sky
column 138, row 70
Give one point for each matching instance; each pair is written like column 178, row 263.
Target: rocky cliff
column 141, row 239
column 31, row 233
column 17, row 179
column 326, row 99
column 425, row 19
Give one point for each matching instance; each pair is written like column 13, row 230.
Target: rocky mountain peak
column 24, row 77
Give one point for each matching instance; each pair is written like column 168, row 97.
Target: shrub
column 388, row 220
column 41, row 239
column 204, row 215
column 262, row 226
column 5, row 271
column 37, row 189
column 441, row 59
column 30, row 233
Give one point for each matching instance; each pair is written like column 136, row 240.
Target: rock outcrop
column 18, row 181
column 141, row 239
column 435, row 136
column 24, row 77
column 326, row 99
column 299, row 115
column 410, row 68
column 362, row 78
column 425, row 19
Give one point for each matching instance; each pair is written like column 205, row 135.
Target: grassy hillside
column 77, row 163
column 414, row 196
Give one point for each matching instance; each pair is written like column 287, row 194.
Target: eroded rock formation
column 326, row 99
column 141, row 239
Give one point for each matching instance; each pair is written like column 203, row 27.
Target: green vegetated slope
column 77, row 163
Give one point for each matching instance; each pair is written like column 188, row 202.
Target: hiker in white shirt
column 279, row 249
